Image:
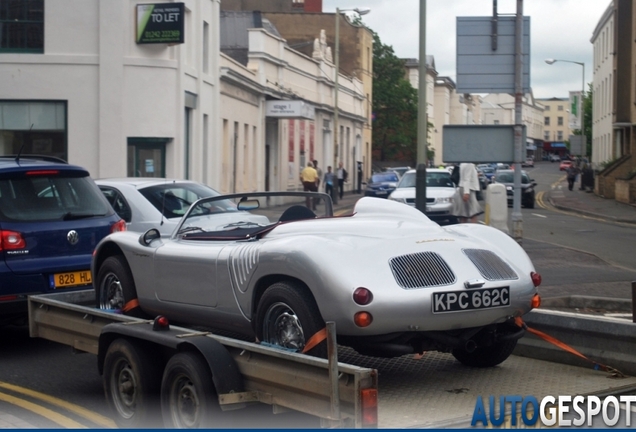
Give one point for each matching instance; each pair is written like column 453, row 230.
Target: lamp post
column 359, row 11
column 582, row 114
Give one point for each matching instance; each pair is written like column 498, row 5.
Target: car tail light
column 8, row 298
column 362, row 296
column 161, row 323
column 11, row 240
column 118, row 226
column 369, row 407
column 536, row 278
column 363, row 319
column 42, row 172
column 536, row 301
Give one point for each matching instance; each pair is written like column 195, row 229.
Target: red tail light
column 118, row 226
column 11, row 240
column 43, row 172
column 362, row 296
column 536, row 278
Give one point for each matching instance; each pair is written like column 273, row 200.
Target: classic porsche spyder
column 393, row 281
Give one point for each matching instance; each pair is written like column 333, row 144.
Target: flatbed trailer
column 341, row 395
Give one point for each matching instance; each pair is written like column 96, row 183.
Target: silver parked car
column 393, row 281
column 160, row 203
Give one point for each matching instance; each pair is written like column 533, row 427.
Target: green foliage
column 394, row 106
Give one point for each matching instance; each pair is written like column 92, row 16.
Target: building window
column 33, row 127
column 206, row 47
column 546, row 135
column 546, row 121
column 496, row 122
column 22, row 26
column 547, row 108
column 147, row 157
column 560, row 121
column 560, row 108
column 560, row 135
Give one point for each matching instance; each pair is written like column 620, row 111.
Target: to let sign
column 160, row 23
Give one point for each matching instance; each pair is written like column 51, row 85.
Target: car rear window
column 379, row 178
column 50, row 198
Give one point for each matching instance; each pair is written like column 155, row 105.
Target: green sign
column 160, row 23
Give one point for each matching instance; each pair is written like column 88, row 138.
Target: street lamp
column 582, row 114
column 359, row 11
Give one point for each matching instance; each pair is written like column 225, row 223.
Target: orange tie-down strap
column 132, row 304
column 615, row 372
column 318, row 337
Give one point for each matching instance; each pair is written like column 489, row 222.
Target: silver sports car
column 393, row 281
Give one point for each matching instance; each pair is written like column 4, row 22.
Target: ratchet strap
column 132, row 304
column 318, row 337
column 615, row 372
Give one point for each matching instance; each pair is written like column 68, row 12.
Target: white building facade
column 88, row 92
column 603, row 147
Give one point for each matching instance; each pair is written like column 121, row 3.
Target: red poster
column 291, row 140
column 302, row 136
column 311, row 140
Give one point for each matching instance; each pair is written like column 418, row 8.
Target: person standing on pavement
column 342, row 178
column 309, row 178
column 329, row 180
column 465, row 205
column 571, row 172
column 319, row 172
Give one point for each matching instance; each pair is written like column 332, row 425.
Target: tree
column 587, row 121
column 394, row 106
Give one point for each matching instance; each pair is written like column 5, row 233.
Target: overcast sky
column 560, row 29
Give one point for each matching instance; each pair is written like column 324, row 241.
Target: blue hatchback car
column 52, row 215
column 381, row 185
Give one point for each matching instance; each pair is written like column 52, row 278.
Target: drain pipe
column 634, row 301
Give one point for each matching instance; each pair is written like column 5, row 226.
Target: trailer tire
column 131, row 384
column 287, row 315
column 115, row 287
column 487, row 356
column 188, row 397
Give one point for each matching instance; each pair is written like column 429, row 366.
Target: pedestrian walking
column 465, row 205
column 329, row 180
column 342, row 178
column 309, row 178
column 572, row 172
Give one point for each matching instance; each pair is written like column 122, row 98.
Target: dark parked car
column 506, row 177
column 52, row 215
column 381, row 185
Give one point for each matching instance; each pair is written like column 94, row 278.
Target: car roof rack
column 46, row 158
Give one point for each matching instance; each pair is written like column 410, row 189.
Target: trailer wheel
column 116, row 287
column 486, row 356
column 287, row 315
column 188, row 398
column 131, row 383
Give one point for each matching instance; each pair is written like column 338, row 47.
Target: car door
column 186, row 272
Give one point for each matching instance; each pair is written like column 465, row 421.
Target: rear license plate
column 71, row 279
column 486, row 298
column 381, row 192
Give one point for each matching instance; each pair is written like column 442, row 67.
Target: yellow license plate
column 64, row 280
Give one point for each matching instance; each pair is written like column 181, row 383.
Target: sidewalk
column 587, row 203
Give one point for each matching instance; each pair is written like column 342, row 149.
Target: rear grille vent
column 490, row 265
column 421, row 270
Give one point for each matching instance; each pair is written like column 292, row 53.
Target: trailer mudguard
column 225, row 373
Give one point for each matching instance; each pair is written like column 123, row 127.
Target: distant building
column 556, row 124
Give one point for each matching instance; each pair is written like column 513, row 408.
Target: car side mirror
column 149, row 236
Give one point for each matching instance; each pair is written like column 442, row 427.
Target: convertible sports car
column 393, row 281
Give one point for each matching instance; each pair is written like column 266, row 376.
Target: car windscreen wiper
column 74, row 216
column 190, row 229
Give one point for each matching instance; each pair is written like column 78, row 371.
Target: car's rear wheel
column 486, row 356
column 116, row 287
column 288, row 316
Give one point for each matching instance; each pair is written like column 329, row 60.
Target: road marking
column 539, row 215
column 57, row 418
column 92, row 416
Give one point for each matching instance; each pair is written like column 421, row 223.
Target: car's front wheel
column 486, row 356
column 288, row 316
column 115, row 287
